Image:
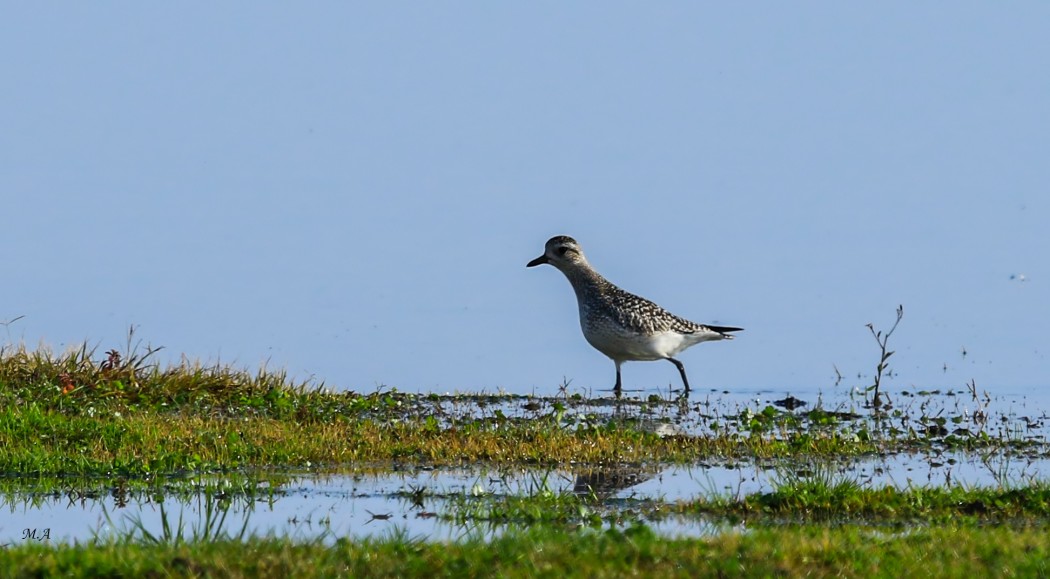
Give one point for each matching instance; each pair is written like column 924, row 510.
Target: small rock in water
column 790, row 403
column 665, row 429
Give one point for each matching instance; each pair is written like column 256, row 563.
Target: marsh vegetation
column 852, row 482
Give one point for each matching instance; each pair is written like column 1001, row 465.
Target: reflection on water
column 606, row 482
column 328, row 507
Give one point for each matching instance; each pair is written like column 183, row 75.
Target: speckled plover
column 619, row 324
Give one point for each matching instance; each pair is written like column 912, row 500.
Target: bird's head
column 562, row 252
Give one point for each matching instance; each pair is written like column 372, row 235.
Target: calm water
column 362, row 505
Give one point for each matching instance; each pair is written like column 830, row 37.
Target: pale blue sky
column 353, row 192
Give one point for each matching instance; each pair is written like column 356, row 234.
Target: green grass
column 812, row 503
column 119, row 414
column 845, row 501
column 550, row 552
column 37, row 442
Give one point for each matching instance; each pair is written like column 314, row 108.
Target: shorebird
column 619, row 324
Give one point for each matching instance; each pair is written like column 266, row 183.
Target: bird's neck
column 585, row 282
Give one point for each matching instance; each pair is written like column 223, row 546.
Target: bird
column 619, row 324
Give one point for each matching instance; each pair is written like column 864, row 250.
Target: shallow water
column 359, row 505
column 420, row 501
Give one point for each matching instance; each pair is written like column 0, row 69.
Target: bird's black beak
column 538, row 261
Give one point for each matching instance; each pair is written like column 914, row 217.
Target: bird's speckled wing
column 637, row 314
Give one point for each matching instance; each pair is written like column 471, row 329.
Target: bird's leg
column 681, row 370
column 619, row 384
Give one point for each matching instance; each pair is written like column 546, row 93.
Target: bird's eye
column 562, row 250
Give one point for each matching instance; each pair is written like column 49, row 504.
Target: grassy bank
column 80, row 427
column 543, row 551
column 122, row 415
